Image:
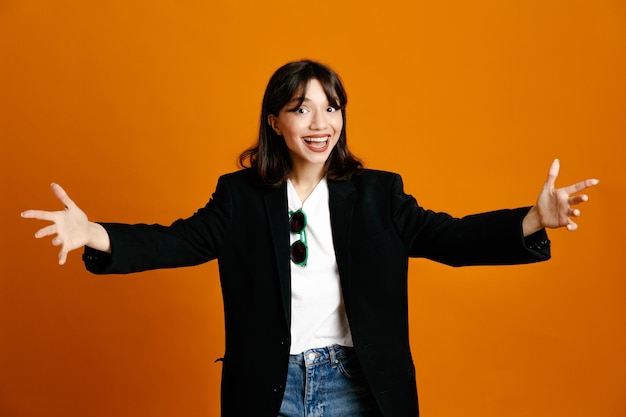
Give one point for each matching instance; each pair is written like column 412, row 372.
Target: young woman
column 313, row 255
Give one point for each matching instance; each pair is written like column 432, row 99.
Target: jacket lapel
column 341, row 203
column 276, row 208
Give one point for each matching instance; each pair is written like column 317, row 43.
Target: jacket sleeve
column 492, row 238
column 185, row 242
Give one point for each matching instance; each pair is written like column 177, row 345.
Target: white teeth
column 316, row 140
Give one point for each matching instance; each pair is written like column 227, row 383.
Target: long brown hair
column 270, row 156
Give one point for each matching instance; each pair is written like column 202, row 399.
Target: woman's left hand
column 554, row 205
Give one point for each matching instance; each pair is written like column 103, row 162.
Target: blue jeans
column 327, row 382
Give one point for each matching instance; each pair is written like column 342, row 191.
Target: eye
column 331, row 109
column 302, row 110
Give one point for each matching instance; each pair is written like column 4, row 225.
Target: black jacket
column 376, row 228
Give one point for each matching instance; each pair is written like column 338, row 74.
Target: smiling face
column 310, row 126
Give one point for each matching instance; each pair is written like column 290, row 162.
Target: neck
column 305, row 180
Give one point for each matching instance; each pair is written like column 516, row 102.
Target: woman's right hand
column 72, row 228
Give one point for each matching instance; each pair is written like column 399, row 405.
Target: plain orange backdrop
column 136, row 108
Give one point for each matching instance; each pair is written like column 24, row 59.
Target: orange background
column 136, row 107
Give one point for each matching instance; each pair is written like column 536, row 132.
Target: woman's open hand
column 554, row 206
column 72, row 228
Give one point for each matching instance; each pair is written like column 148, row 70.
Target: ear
column 273, row 122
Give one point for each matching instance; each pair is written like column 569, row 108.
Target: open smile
column 317, row 142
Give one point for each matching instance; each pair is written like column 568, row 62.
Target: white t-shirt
column 318, row 314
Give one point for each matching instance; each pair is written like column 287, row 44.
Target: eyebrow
column 301, row 99
column 298, row 99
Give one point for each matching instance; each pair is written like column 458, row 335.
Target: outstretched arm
column 554, row 205
column 72, row 228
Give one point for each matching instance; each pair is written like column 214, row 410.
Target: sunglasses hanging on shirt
column 299, row 250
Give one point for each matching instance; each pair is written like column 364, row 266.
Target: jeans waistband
column 319, row 356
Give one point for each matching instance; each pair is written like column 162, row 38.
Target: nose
column 319, row 120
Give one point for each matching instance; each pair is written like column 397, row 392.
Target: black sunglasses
column 299, row 250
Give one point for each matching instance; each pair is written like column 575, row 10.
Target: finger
column 60, row 193
column 62, row 256
column 39, row 215
column 579, row 186
column 571, row 226
column 577, row 199
column 46, row 231
column 553, row 172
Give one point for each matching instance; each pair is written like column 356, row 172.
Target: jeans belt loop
column 333, row 356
